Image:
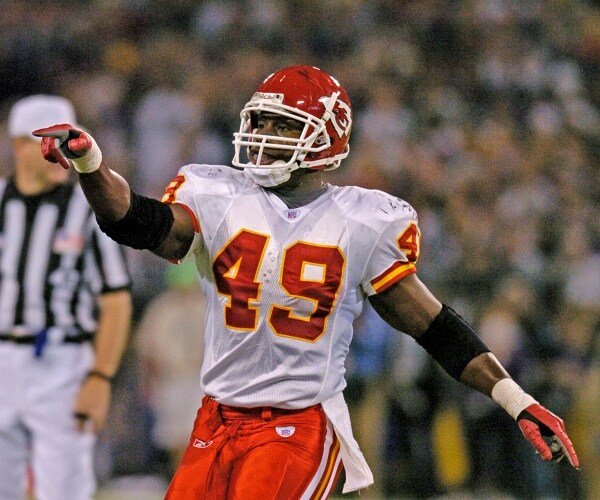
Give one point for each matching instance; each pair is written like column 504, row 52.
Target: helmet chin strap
column 270, row 177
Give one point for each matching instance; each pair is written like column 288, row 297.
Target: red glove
column 70, row 146
column 537, row 423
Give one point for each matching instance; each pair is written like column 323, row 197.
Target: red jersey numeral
column 235, row 269
column 313, row 273
column 409, row 242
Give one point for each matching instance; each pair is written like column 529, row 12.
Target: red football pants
column 259, row 454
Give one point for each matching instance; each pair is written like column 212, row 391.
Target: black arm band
column 145, row 225
column 451, row 341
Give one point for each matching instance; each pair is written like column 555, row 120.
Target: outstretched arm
column 410, row 307
column 129, row 218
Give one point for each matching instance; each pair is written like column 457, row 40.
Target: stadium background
column 483, row 114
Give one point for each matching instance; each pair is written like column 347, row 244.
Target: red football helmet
column 310, row 96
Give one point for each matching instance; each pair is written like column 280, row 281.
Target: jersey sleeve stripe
column 393, row 274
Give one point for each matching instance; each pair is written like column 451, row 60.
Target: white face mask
column 270, row 177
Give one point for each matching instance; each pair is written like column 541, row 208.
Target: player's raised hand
column 536, row 424
column 68, row 145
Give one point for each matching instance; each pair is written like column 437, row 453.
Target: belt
column 32, row 339
column 262, row 412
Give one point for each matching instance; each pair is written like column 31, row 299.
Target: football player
column 287, row 261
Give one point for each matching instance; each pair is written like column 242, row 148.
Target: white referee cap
column 38, row 111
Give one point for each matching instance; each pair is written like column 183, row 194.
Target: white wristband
column 508, row 394
column 90, row 161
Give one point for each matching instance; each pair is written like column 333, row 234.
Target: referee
column 65, row 311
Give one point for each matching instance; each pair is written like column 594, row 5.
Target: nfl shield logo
column 286, row 432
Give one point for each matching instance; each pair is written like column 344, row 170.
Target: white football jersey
column 284, row 286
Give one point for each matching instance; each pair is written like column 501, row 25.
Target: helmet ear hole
column 322, row 139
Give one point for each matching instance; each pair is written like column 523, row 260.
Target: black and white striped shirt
column 54, row 260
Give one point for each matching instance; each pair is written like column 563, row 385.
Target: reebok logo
column 198, row 443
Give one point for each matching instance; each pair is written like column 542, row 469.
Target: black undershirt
column 295, row 199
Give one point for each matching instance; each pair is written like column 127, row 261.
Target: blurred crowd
column 483, row 114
